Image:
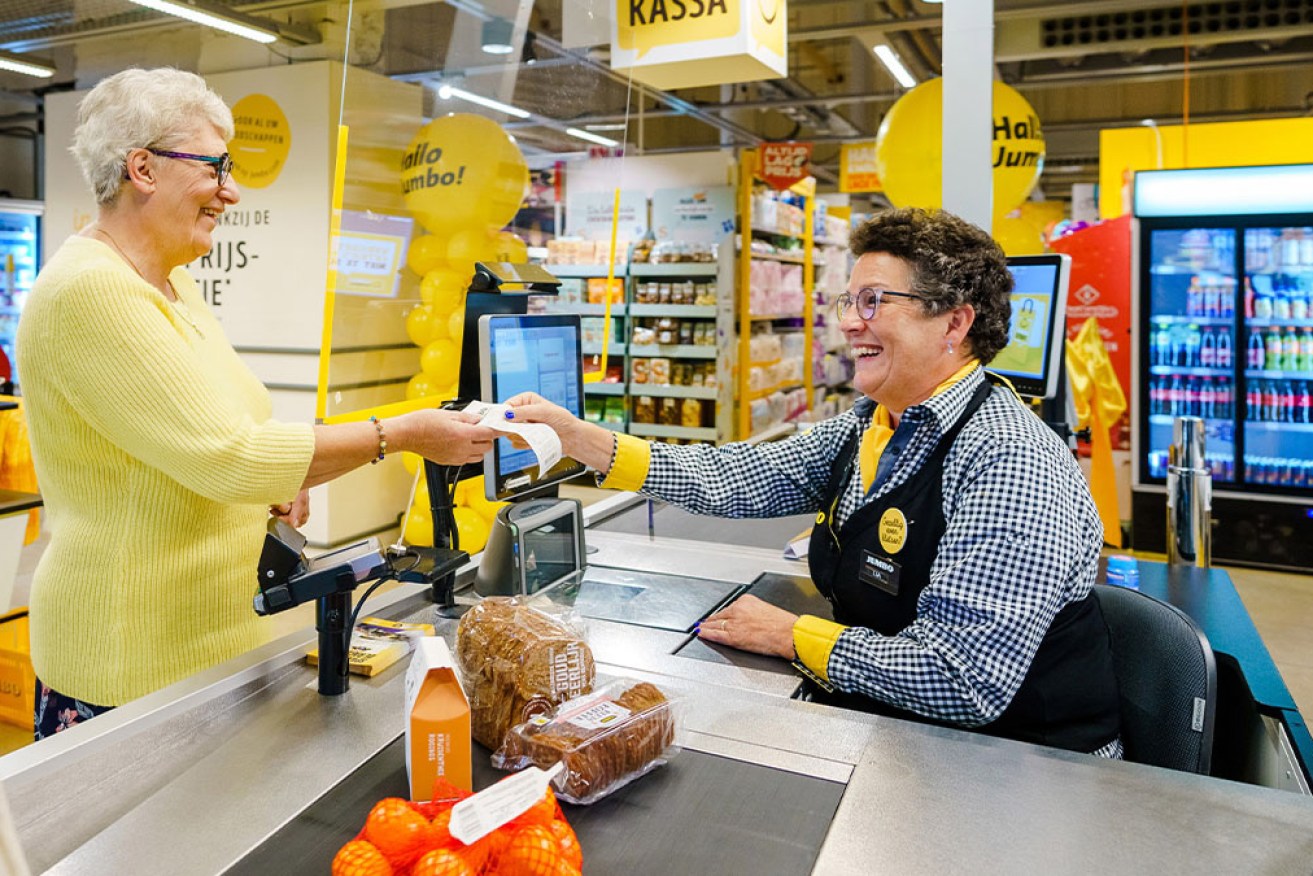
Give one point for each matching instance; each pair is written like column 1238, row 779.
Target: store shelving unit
column 745, row 318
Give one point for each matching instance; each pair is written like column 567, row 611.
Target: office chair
column 1167, row 678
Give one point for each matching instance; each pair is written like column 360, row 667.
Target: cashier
column 154, row 444
column 955, row 536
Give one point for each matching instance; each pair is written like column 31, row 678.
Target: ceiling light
column 27, row 65
column 894, row 65
column 447, row 92
column 217, row 17
column 610, row 126
column 497, row 37
column 592, row 138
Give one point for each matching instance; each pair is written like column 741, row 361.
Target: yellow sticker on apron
column 893, row 530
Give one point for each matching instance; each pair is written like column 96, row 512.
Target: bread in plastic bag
column 518, row 660
column 622, row 730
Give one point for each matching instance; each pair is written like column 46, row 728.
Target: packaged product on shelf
column 668, row 413
column 645, row 293
column 709, row 375
column 690, row 414
column 593, row 407
column 614, row 413
column 615, row 371
column 667, row 330
column 679, row 373
column 704, row 334
column 643, row 334
column 663, row 293
column 518, row 660
column 696, row 375
column 606, row 739
column 597, row 290
column 638, row 370
column 644, row 409
column 686, row 332
column 642, row 251
column 704, row 293
column 571, row 291
column 659, row 371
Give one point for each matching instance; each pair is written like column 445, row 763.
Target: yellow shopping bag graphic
column 17, row 679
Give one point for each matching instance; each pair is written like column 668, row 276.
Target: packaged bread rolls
column 606, row 739
column 517, row 661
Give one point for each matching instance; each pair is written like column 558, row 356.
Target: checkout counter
column 244, row 768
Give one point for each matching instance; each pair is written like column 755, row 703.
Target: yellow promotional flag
column 1099, row 402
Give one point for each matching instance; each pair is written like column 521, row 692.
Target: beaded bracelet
column 382, row 440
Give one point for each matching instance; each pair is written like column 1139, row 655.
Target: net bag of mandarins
column 401, row 838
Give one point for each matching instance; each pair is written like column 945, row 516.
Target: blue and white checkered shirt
column 1022, row 542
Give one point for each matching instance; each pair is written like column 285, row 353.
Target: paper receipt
column 544, row 442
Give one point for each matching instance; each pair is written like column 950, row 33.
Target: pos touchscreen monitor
column 1032, row 360
column 539, row 353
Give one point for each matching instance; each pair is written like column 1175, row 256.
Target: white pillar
column 968, row 50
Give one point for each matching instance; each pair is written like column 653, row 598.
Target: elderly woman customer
column 955, row 537
column 153, row 443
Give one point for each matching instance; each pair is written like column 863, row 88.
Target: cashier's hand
column 752, row 624
column 530, row 407
column 295, row 513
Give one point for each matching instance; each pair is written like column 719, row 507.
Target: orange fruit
column 359, row 858
column 441, row 862
column 569, row 843
column 397, row 830
column 532, row 851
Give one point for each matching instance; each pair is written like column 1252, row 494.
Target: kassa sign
column 687, row 43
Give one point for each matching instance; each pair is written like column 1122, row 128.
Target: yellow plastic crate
column 17, row 679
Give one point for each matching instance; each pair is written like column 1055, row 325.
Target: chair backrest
column 1167, row 678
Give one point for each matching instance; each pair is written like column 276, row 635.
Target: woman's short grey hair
column 140, row 108
column 952, row 262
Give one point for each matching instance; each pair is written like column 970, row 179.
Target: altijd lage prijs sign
column 687, row 43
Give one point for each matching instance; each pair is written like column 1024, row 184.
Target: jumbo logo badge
column 687, row 43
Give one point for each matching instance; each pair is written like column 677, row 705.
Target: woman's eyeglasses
column 867, row 301
column 222, row 164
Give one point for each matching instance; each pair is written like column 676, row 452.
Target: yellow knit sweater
column 156, row 458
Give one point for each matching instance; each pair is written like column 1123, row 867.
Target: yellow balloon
column 444, row 289
column 448, row 392
column 426, row 252
column 460, row 167
column 470, row 529
column 507, row 196
column 421, row 386
column 411, row 461
column 470, row 246
column 456, row 325
column 1017, row 236
column 510, row 248
column 467, row 489
column 909, row 148
column 441, row 362
column 420, row 325
column 421, row 492
column 419, row 528
column 487, row 510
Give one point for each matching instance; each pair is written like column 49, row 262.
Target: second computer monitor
column 539, row 353
column 1032, row 360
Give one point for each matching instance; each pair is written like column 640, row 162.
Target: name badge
column 879, row 572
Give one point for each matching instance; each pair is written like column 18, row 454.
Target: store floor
column 1280, row 604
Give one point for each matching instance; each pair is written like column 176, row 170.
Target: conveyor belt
column 698, row 814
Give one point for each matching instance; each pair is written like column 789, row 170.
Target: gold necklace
column 176, row 301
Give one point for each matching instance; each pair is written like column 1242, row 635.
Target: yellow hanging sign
column 688, row 43
column 857, row 168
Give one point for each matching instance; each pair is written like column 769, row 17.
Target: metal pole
column 1189, row 496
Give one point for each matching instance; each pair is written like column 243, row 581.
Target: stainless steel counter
column 192, row 778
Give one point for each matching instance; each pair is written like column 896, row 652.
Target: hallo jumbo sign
column 687, row 43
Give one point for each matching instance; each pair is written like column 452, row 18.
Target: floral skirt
column 56, row 712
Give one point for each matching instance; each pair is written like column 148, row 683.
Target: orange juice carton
column 437, row 721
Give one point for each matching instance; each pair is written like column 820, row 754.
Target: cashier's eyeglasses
column 222, row 164
column 868, row 301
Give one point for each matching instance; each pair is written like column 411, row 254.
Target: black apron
column 873, row 571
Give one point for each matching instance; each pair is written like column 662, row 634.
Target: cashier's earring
column 950, row 347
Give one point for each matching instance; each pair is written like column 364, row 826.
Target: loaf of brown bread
column 601, row 746
column 516, row 662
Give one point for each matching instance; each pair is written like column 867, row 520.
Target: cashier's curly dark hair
column 952, row 262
